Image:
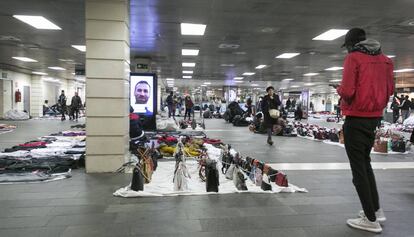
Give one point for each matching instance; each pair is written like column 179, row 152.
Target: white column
column 36, row 97
column 107, row 84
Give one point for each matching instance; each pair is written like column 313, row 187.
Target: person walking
column 270, row 106
column 76, row 105
column 395, row 109
column 365, row 90
column 62, row 104
column 338, row 111
column 288, row 104
column 170, row 101
column 188, row 107
column 405, row 107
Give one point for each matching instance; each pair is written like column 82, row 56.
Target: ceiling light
column 334, row 69
column 192, row 29
column 38, row 22
column 65, row 60
column 238, row 81
column 331, row 34
column 187, row 77
column 207, row 83
column 203, row 85
column 288, row 79
column 311, row 74
column 404, row 70
column 238, row 78
column 288, row 55
column 188, row 72
column 189, row 52
column 188, row 64
column 227, row 65
column 309, row 84
column 254, row 84
column 57, row 68
column 261, row 66
column 73, row 73
column 40, row 73
column 282, row 88
column 24, row 59
column 294, row 86
column 81, row 48
column 170, row 79
column 335, row 80
column 391, row 56
column 248, row 73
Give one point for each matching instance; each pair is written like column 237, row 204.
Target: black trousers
column 187, row 112
column 75, row 113
column 359, row 136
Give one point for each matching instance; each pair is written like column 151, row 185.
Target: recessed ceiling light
column 227, row 65
column 334, row 69
column 404, row 70
column 170, row 79
column 188, row 72
column 287, row 55
column 203, row 85
column 295, row 86
column 311, row 74
column 38, row 22
column 282, row 88
column 248, row 73
column 81, row 48
column 65, row 60
column 189, row 52
column 187, row 77
column 254, row 84
column 261, row 66
column 335, row 80
column 24, row 59
column 309, row 84
column 207, row 83
column 192, row 29
column 288, row 79
column 391, row 56
column 188, row 64
column 238, row 81
column 40, row 73
column 331, row 34
column 57, row 68
column 238, row 78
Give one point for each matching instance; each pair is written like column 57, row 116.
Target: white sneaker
column 364, row 224
column 379, row 214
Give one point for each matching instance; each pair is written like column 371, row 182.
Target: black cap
column 354, row 36
column 270, row 87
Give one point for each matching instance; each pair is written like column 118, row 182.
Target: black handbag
column 398, row 145
column 137, row 183
column 212, row 177
column 266, row 183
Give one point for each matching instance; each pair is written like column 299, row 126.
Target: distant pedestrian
column 270, row 108
column 62, row 104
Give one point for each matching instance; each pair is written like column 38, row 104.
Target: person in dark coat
column 76, row 105
column 62, row 104
column 270, row 101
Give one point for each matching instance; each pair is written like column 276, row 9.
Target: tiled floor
column 84, row 205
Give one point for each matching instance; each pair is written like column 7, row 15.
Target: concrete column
column 36, row 97
column 107, row 84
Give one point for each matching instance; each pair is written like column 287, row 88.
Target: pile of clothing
column 5, row 128
column 233, row 110
column 216, row 168
column 47, row 158
column 14, row 114
column 282, row 128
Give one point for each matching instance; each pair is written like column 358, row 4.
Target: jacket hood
column 369, row 46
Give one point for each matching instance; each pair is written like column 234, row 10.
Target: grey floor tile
column 166, row 227
column 23, row 222
column 32, row 232
column 108, row 230
column 85, row 219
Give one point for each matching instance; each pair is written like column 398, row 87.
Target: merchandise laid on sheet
column 49, row 158
column 6, row 128
column 388, row 139
column 282, row 128
column 200, row 166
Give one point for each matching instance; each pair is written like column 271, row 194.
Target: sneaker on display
column 363, row 223
column 379, row 214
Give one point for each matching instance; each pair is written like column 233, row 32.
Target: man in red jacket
column 368, row 83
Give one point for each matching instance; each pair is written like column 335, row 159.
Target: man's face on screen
column 142, row 93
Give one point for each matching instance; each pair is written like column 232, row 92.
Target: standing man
column 170, row 102
column 395, row 109
column 405, row 107
column 62, row 104
column 76, row 105
column 365, row 90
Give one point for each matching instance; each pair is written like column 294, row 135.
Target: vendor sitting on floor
column 135, row 130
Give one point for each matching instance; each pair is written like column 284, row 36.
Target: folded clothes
column 33, row 144
column 32, row 177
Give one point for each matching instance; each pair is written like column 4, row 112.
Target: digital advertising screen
column 143, row 93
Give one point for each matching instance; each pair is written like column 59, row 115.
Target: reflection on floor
column 84, row 205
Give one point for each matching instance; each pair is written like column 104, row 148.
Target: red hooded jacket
column 367, row 84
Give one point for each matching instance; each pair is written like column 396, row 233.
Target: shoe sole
column 379, row 219
column 364, row 228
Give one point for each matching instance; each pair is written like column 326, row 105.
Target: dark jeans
column 359, row 136
column 269, row 133
column 75, row 113
column 395, row 115
column 171, row 111
column 63, row 111
column 187, row 111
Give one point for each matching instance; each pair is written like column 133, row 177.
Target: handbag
column 381, row 146
column 266, row 183
column 137, row 183
column 281, row 179
column 398, row 146
column 274, row 113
